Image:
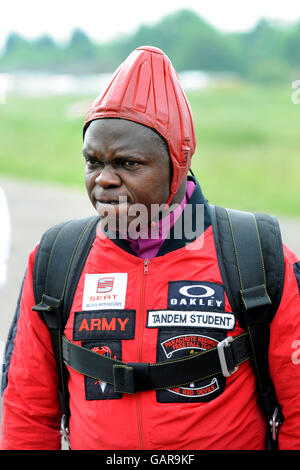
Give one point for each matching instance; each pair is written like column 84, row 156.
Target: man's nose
column 108, row 176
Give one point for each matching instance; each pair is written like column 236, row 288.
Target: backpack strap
column 250, row 256
column 59, row 261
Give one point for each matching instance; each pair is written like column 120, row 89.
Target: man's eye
column 92, row 161
column 130, row 164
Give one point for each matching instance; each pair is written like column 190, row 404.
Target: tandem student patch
column 191, row 319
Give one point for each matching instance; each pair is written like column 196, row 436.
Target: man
column 147, row 296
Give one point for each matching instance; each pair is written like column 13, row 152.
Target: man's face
column 126, row 165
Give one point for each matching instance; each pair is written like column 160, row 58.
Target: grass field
column 247, row 155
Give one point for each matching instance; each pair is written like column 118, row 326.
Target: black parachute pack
column 251, row 263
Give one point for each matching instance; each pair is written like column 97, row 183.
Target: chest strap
column 132, row 377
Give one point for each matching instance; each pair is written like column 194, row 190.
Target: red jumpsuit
column 141, row 311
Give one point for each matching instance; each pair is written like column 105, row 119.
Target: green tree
column 292, row 46
column 268, row 52
column 80, row 45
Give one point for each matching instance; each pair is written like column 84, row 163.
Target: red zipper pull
column 146, row 264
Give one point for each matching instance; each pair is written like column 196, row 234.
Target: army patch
column 104, row 324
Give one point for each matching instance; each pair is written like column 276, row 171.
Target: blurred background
column 239, row 63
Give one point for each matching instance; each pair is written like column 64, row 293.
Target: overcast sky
column 103, row 20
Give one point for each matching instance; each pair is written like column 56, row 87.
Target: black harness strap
column 58, row 250
column 132, row 377
column 260, row 261
column 245, row 238
column 243, row 243
column 59, row 262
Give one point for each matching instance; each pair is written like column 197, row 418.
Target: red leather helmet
column 146, row 89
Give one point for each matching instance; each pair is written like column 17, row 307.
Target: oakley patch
column 104, row 324
column 185, row 343
column 191, row 319
column 97, row 389
column 196, row 295
column 104, row 291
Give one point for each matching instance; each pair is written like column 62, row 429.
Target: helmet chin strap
column 173, row 193
column 168, row 202
column 167, row 205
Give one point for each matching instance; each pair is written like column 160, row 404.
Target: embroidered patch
column 104, row 291
column 172, row 347
column 97, row 389
column 104, row 324
column 194, row 319
column 189, row 343
column 196, row 295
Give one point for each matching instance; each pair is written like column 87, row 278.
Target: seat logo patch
column 196, row 295
column 104, row 291
column 192, row 319
column 106, row 324
column 105, row 284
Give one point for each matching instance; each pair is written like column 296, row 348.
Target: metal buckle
column 220, row 348
column 275, row 423
column 64, row 430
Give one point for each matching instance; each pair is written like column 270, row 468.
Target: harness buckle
column 274, row 423
column 130, row 377
column 64, row 430
column 221, row 352
column 123, row 376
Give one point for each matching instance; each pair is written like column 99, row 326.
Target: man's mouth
column 101, row 201
column 111, row 207
column 113, row 202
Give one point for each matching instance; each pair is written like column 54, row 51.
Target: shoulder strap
column 249, row 245
column 250, row 257
column 60, row 256
column 59, row 261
